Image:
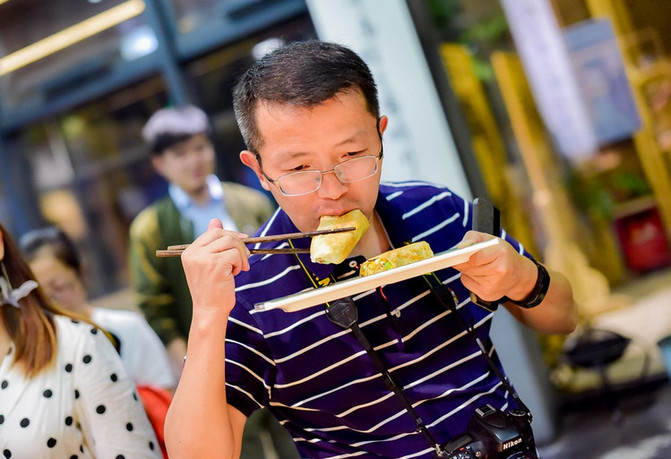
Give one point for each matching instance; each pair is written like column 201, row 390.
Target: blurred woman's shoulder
column 102, row 316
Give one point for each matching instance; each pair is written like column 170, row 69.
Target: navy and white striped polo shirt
column 318, row 380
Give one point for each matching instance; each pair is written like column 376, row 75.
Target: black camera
column 491, row 433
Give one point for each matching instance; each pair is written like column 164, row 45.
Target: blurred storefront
column 78, row 79
column 615, row 53
column 565, row 106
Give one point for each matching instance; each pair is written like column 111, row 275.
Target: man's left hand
column 497, row 271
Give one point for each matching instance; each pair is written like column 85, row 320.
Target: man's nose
column 331, row 187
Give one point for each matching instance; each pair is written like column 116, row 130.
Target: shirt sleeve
column 107, row 406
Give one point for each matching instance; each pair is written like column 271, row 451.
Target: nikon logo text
column 511, row 443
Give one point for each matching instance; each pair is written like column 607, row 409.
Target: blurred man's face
column 187, row 164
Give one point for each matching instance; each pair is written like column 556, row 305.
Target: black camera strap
column 446, row 298
column 345, row 314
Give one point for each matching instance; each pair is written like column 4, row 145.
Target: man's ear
column 249, row 159
column 382, row 124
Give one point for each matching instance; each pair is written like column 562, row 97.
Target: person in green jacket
column 183, row 154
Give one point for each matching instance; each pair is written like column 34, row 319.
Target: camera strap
column 344, row 313
column 446, row 297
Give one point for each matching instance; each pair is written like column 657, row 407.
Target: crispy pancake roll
column 334, row 248
column 397, row 257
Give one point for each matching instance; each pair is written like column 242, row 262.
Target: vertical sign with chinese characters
column 548, row 67
column 418, row 141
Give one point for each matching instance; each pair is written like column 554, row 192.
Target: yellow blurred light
column 71, row 35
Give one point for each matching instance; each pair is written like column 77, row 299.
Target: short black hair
column 301, row 74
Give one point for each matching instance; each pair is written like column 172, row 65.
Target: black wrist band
column 532, row 300
column 539, row 291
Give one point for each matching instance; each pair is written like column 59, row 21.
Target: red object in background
column 156, row 402
column 643, row 240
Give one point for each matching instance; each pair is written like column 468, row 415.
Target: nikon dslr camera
column 491, row 433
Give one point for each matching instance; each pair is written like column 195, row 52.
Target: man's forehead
column 302, row 148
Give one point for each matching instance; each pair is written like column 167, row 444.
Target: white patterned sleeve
column 109, row 409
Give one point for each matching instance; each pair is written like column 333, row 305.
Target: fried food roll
column 395, row 258
column 334, row 248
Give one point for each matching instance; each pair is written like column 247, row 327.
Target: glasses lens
column 299, row 183
column 356, row 169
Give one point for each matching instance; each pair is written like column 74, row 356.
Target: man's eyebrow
column 289, row 154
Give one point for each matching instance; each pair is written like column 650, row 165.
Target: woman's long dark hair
column 31, row 326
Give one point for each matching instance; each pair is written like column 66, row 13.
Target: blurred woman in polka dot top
column 63, row 390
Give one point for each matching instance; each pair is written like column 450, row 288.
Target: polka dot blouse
column 83, row 407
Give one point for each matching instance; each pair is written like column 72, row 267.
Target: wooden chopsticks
column 176, row 250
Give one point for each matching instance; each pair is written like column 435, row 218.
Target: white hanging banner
column 548, row 67
column 418, row 142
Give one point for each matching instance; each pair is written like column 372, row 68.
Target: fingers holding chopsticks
column 221, row 244
column 210, row 264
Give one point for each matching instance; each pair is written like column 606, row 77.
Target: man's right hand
column 210, row 263
column 200, row 423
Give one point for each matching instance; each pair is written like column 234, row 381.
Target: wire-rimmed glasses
column 305, row 182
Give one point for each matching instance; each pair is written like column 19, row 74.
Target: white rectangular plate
column 314, row 297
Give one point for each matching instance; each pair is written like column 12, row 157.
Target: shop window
column 203, row 25
column 190, row 14
column 213, row 77
column 92, row 174
column 69, row 43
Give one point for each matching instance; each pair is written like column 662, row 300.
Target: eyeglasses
column 305, row 182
